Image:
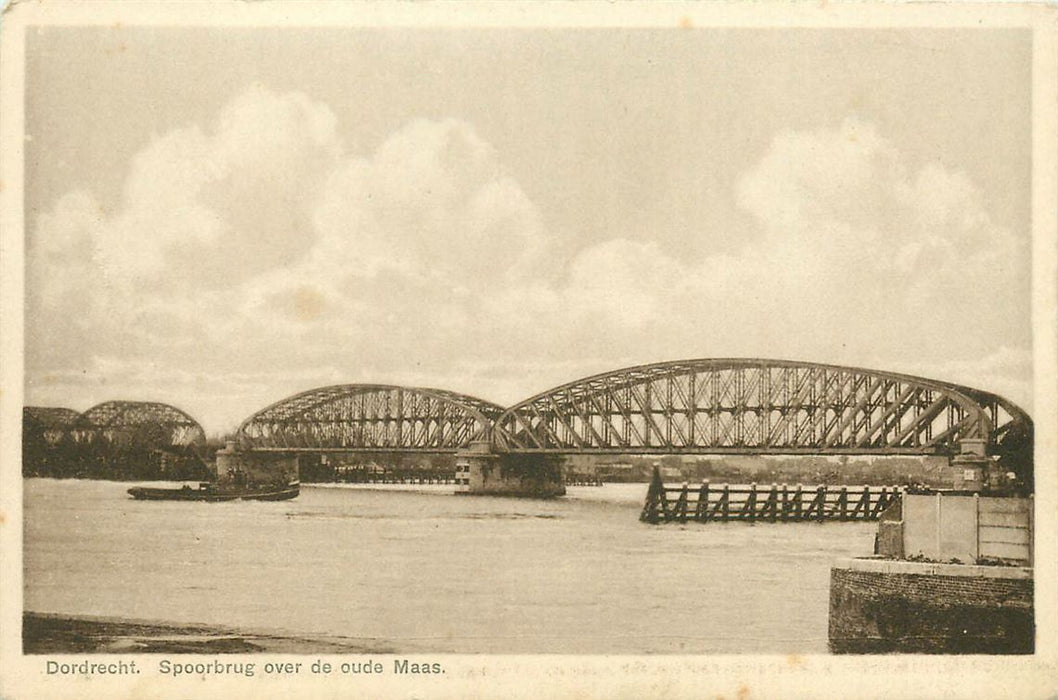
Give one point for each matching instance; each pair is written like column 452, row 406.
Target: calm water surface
column 425, row 570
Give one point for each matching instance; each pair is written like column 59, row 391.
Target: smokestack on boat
column 237, row 467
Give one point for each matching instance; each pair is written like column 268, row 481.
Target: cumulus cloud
column 259, row 254
column 910, row 247
column 260, row 239
column 861, row 258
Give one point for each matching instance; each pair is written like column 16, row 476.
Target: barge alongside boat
column 237, row 475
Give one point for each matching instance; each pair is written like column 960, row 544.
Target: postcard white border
column 538, row 676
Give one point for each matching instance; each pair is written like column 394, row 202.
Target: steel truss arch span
column 350, row 417
column 112, row 420
column 52, row 424
column 50, row 418
column 754, row 406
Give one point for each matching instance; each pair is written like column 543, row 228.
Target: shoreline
column 56, row 633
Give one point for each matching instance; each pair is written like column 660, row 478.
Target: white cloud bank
column 260, row 255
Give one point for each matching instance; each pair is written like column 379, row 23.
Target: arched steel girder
column 754, row 406
column 350, row 417
column 113, row 419
column 1007, row 417
column 48, row 417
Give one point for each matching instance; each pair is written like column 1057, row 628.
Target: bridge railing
column 778, row 502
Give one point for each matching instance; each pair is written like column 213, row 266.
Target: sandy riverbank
column 45, row 633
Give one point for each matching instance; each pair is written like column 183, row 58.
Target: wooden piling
column 749, row 508
column 701, row 509
column 771, row 505
column 843, row 504
column 864, row 504
column 653, row 509
column 818, row 506
column 681, row 505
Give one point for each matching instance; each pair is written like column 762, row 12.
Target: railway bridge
column 687, row 407
column 702, row 406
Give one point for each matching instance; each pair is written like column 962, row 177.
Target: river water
column 420, row 569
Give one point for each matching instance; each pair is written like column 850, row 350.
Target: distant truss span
column 755, row 406
column 50, row 424
column 351, row 417
column 159, row 422
column 50, row 418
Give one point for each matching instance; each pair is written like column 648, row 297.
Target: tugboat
column 213, row 491
column 239, row 476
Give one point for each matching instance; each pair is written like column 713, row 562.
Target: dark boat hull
column 214, row 495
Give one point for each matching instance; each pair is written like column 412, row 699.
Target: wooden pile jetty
column 779, row 502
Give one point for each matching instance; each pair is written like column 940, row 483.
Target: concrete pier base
column 479, row 471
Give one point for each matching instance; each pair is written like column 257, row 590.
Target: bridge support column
column 480, row 471
column 971, row 466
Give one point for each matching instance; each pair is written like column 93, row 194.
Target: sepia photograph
column 359, row 349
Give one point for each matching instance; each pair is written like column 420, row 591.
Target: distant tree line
column 809, row 469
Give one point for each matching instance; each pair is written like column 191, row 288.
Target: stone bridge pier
column 480, row 470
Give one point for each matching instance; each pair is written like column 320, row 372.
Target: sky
column 218, row 218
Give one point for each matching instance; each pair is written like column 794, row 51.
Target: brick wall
column 879, row 612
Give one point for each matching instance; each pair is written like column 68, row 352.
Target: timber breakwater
column 774, row 503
